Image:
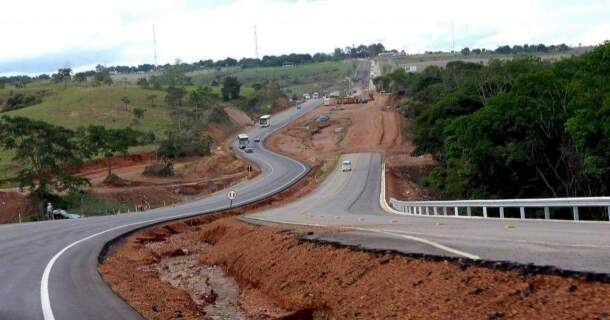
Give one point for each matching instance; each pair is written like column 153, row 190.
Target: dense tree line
column 519, row 49
column 520, row 128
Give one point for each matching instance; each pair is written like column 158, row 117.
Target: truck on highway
column 316, row 95
column 306, row 96
column 346, row 166
column 243, row 140
column 264, row 121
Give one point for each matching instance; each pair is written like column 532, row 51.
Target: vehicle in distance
column 257, row 139
column 346, row 165
column 248, row 150
column 306, row 96
column 264, row 121
column 243, row 140
column 316, row 95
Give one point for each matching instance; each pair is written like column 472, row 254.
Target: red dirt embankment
column 313, row 281
column 12, row 204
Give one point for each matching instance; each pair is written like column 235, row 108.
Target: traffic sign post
column 231, row 195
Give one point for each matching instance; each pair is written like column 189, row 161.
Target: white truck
column 316, row 95
column 264, row 121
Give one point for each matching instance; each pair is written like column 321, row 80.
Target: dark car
column 248, row 150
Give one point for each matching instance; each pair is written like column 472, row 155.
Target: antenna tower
column 155, row 46
column 255, row 42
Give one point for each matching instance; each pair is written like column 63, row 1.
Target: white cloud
column 188, row 30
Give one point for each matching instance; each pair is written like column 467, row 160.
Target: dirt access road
column 373, row 127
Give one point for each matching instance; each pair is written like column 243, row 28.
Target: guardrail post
column 547, row 213
column 608, row 213
column 575, row 212
column 445, row 211
column 469, row 211
column 427, row 210
column 435, row 211
column 522, row 212
column 456, row 212
column 485, row 212
column 501, row 212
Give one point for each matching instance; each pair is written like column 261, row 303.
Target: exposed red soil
column 376, row 126
column 340, row 283
column 130, row 270
column 12, row 204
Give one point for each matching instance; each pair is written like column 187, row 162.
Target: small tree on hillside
column 46, row 154
column 97, row 140
column 126, row 102
column 230, row 88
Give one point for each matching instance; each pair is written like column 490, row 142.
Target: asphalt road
column 350, row 201
column 48, row 270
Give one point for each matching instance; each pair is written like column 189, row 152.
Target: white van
column 346, row 165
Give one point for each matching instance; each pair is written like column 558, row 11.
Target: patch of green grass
column 76, row 106
column 322, row 77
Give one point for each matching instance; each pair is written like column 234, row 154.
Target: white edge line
column 418, row 239
column 45, row 299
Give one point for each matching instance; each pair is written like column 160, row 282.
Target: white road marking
column 413, row 238
column 45, row 299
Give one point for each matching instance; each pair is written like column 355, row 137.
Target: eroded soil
column 296, row 279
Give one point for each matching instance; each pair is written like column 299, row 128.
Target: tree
column 202, row 97
column 138, row 113
column 126, row 102
column 230, row 88
column 80, row 77
column 63, row 75
column 97, row 140
column 465, row 51
column 47, row 156
column 102, row 75
column 175, row 96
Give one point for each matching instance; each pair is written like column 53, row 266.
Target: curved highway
column 48, row 270
column 350, row 202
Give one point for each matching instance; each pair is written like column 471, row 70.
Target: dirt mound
column 296, row 278
column 144, row 197
column 11, row 205
column 115, row 181
column 238, row 117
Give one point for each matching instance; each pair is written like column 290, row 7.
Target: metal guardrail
column 576, row 209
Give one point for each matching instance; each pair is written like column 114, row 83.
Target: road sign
column 232, row 195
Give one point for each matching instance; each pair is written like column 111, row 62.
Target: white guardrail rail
column 576, row 209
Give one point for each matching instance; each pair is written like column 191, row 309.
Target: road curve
column 48, row 270
column 350, row 201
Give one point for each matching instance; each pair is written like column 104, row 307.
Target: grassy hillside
column 322, row 77
column 80, row 106
column 441, row 59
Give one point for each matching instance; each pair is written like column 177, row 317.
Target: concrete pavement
column 350, row 200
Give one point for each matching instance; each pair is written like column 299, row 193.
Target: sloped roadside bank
column 276, row 268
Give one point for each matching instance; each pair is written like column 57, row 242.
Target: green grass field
column 81, row 105
column 322, row 77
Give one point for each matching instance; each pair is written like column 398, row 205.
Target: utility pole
column 255, row 43
column 452, row 39
column 154, row 47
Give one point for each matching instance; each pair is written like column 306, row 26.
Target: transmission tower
column 155, row 47
column 255, row 42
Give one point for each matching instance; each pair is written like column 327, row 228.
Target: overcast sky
column 41, row 36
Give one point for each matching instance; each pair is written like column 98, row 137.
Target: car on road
column 257, row 139
column 346, row 165
column 249, row 150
